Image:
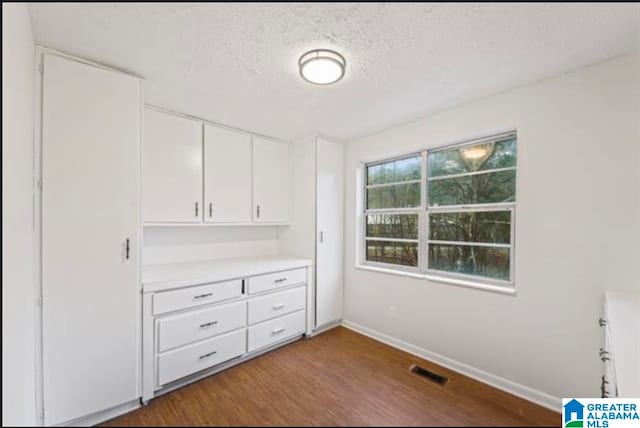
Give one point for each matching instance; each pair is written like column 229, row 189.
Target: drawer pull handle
column 277, row 331
column 210, row 354
column 603, row 352
column 602, row 322
column 278, row 307
column 202, row 296
column 280, row 280
column 208, row 324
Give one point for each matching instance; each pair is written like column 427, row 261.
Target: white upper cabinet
column 227, row 176
column 172, row 169
column 271, row 181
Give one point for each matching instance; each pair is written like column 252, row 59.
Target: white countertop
column 623, row 320
column 163, row 277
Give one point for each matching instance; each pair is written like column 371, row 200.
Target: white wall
column 175, row 244
column 577, row 232
column 18, row 304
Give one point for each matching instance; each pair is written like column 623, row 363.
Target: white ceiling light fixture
column 322, row 66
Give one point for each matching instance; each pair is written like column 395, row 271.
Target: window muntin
column 468, row 227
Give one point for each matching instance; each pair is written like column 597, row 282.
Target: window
column 392, row 211
column 458, row 200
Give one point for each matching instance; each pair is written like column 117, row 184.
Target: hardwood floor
column 337, row 378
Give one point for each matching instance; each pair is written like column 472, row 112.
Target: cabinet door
column 329, row 252
column 271, row 181
column 172, row 169
column 227, row 176
column 90, row 246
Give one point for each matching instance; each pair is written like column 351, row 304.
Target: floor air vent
column 434, row 377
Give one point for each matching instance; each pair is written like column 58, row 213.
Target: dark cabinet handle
column 210, row 354
column 208, row 324
column 258, row 211
column 203, row 296
column 210, row 209
column 196, row 209
column 126, row 248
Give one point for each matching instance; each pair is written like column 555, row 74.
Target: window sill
column 435, row 278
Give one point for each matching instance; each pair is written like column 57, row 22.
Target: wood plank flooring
column 338, row 378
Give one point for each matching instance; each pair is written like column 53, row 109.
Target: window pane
column 398, row 253
column 480, row 261
column 471, row 158
column 487, row 188
column 485, row 226
column 398, row 170
column 394, row 196
column 403, row 226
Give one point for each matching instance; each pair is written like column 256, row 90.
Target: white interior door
column 227, row 176
column 172, row 169
column 90, row 210
column 271, row 181
column 329, row 250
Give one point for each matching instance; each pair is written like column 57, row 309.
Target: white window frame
column 424, row 211
column 419, row 210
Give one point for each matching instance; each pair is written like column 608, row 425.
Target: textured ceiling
column 236, row 64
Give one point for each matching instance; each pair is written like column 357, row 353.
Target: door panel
column 91, row 295
column 271, row 181
column 329, row 252
column 227, row 176
column 172, row 169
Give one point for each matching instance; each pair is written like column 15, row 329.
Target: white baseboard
column 326, row 327
column 103, row 416
column 530, row 394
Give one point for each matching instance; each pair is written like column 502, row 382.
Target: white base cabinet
column 191, row 330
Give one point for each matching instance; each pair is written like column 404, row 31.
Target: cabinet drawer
column 271, row 281
column 196, row 325
column 277, row 304
column 184, row 361
column 195, row 296
column 273, row 331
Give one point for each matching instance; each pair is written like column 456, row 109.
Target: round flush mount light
column 322, row 66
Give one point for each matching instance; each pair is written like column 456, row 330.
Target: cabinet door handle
column 258, row 211
column 278, row 307
column 126, row 249
column 602, row 322
column 208, row 324
column 202, row 296
column 321, row 236
column 280, row 280
column 210, row 354
column 277, row 331
column 196, row 209
column 210, row 209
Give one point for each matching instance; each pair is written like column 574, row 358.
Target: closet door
column 271, row 181
column 227, row 176
column 172, row 169
column 90, row 238
column 329, row 249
